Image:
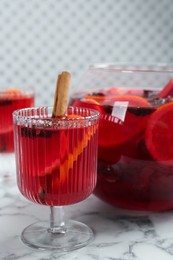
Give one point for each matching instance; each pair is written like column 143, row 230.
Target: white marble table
column 119, row 234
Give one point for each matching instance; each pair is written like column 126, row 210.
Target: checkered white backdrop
column 40, row 38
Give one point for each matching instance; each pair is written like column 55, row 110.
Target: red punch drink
column 135, row 147
column 11, row 100
column 56, row 165
column 56, row 158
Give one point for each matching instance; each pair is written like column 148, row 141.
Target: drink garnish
column 88, row 103
column 133, row 101
column 120, row 120
column 98, row 97
column 8, row 93
column 159, row 135
column 125, row 121
column 61, row 95
column 167, row 90
column 72, row 157
column 13, row 91
column 59, row 111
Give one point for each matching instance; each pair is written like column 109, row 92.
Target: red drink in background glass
column 11, row 100
column 56, row 165
column 135, row 147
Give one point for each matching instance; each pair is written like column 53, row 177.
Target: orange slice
column 88, row 103
column 96, row 98
column 159, row 134
column 74, row 116
column 117, row 91
column 90, row 100
column 115, row 132
column 73, row 156
column 12, row 92
column 8, row 93
column 134, row 101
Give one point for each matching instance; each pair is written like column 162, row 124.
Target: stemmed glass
column 56, row 161
column 10, row 100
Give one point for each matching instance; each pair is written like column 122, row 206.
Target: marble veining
column 119, row 234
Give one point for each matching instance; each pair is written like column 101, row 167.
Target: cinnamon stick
column 61, row 94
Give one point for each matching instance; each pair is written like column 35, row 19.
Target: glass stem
column 57, row 220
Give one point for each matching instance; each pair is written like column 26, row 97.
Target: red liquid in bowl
column 9, row 102
column 135, row 153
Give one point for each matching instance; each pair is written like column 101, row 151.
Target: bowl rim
column 133, row 67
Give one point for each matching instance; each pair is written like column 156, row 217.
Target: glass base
column 38, row 236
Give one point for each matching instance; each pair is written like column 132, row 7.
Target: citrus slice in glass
column 6, row 130
column 159, row 134
column 69, row 155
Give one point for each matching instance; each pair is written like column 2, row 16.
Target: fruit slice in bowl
column 88, row 102
column 98, row 97
column 128, row 109
column 133, row 101
column 159, row 134
column 126, row 123
column 119, row 91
